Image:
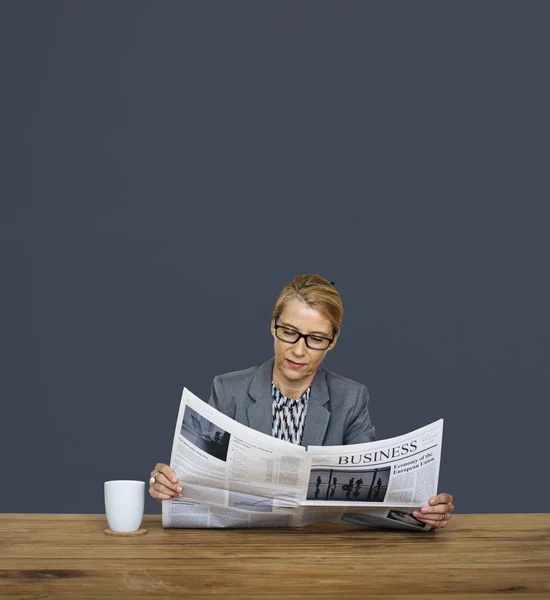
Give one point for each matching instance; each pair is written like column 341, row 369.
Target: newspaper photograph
column 401, row 471
column 234, row 476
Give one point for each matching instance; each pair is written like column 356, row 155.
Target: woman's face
column 296, row 362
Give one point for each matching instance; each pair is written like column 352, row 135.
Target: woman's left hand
column 438, row 511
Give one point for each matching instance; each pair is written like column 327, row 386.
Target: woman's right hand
column 167, row 485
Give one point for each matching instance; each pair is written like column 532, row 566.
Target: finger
column 167, row 471
column 163, row 480
column 434, row 522
column 431, row 516
column 437, row 524
column 157, row 469
column 440, row 499
column 166, row 490
column 439, row 508
column 159, row 496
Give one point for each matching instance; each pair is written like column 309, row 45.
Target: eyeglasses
column 291, row 336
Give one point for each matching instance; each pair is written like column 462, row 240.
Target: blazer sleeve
column 360, row 428
column 219, row 399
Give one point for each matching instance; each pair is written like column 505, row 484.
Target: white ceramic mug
column 124, row 502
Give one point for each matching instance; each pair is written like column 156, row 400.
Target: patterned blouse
column 289, row 415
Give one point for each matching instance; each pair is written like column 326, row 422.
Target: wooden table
column 477, row 557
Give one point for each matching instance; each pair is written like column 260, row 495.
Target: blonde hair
column 318, row 293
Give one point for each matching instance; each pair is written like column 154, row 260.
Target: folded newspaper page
column 234, row 476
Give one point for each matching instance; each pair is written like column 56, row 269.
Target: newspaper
column 234, row 476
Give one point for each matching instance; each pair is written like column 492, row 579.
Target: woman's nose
column 299, row 347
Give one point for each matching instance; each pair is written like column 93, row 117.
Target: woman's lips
column 293, row 364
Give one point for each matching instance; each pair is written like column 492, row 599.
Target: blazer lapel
column 317, row 416
column 259, row 413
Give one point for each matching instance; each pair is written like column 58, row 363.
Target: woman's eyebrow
column 289, row 325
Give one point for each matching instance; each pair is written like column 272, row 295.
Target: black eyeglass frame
column 306, row 336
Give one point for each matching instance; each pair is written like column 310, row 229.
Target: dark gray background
column 168, row 166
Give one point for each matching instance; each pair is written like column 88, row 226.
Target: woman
column 290, row 397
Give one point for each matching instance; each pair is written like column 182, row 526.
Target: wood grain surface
column 476, row 557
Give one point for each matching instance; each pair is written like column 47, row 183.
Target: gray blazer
column 337, row 411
